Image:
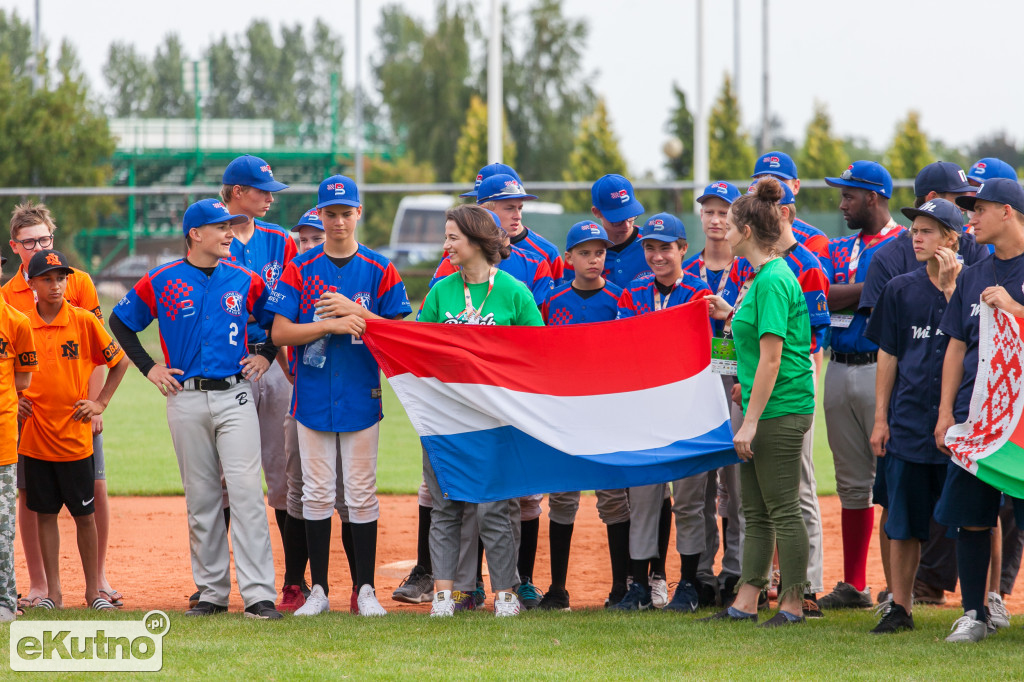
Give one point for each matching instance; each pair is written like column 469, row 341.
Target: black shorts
column 52, row 485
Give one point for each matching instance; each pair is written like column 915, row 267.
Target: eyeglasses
column 848, row 175
column 42, row 242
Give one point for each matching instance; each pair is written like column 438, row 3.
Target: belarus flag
column 510, row 411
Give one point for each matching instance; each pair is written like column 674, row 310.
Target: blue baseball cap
column 501, row 186
column 252, row 171
column 337, row 189
column 663, row 227
column 942, row 210
column 778, row 164
column 586, row 231
column 999, row 191
column 865, row 175
column 990, row 168
column 208, row 212
column 720, row 189
column 310, row 218
column 613, row 196
column 942, row 177
column 486, row 172
column 788, row 198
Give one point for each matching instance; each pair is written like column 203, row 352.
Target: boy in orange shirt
column 17, row 360
column 56, row 434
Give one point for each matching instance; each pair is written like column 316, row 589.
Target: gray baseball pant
column 688, row 508
column 849, row 419
column 273, row 395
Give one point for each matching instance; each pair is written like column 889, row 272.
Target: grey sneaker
column 998, row 616
column 968, row 628
column 417, row 588
column 846, row 596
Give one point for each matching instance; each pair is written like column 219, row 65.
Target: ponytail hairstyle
column 481, row 227
column 760, row 211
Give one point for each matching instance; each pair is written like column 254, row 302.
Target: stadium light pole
column 700, row 119
column 495, row 96
column 359, row 97
column 736, row 46
column 766, row 140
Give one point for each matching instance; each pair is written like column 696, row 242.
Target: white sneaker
column 6, row 615
column 968, row 628
column 443, row 605
column 368, row 604
column 316, row 602
column 659, row 591
column 997, row 613
column 506, row 604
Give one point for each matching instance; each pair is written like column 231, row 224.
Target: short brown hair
column 478, row 225
column 760, row 210
column 29, row 214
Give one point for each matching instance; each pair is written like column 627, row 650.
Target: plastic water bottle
column 315, row 354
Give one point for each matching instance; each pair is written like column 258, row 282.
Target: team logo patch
column 266, row 169
column 337, row 188
column 979, row 168
column 272, row 273
column 720, row 187
column 364, row 299
column 28, row 359
column 773, row 161
column 52, row 259
column 622, row 195
column 111, row 351
column 657, row 224
column 232, row 303
column 3, row 348
column 69, row 350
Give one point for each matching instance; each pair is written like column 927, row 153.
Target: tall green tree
column 823, row 154
column 169, row 99
column 225, row 97
column 680, row 127
column 595, row 153
column 908, row 153
column 731, row 153
column 129, row 80
column 471, row 150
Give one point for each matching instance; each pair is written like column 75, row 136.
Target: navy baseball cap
column 663, row 227
column 720, row 189
column 941, row 176
column 990, row 168
column 865, row 175
column 208, row 212
column 501, row 186
column 252, row 171
column 944, row 211
column 788, row 198
column 613, row 196
column 999, row 191
column 310, row 218
column 586, row 231
column 47, row 260
column 778, row 164
column 486, row 172
column 337, row 189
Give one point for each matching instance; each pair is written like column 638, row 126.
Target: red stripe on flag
column 572, row 360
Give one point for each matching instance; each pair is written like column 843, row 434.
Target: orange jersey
column 17, row 354
column 80, row 292
column 69, row 349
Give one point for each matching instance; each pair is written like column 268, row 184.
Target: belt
column 255, row 348
column 204, row 384
column 855, row 358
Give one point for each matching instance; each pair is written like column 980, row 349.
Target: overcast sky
column 870, row 60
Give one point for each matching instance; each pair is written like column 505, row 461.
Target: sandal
column 114, row 597
column 101, row 604
column 27, row 603
column 46, row 604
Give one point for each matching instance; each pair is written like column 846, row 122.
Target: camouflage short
column 8, row 503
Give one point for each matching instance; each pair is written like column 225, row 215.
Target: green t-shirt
column 509, row 303
column 774, row 304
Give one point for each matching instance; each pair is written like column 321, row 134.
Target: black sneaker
column 616, row 595
column 781, row 620
column 193, row 600
column 304, row 588
column 555, row 599
column 263, row 610
column 895, row 620
column 728, row 592
column 637, row 599
column 846, row 596
column 205, row 608
column 811, row 608
column 707, row 594
column 529, row 595
column 685, row 599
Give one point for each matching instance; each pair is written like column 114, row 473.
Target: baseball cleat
column 417, row 588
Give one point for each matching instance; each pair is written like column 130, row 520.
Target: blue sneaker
column 637, row 599
column 685, row 598
column 529, row 595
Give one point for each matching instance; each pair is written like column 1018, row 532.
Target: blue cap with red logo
column 613, row 196
column 779, row 164
column 310, row 218
column 501, row 186
column 338, row 189
column 788, row 198
column 252, row 171
column 486, row 172
column 720, row 189
column 999, row 191
column 209, row 212
column 586, row 231
column 663, row 227
column 865, row 175
column 990, row 168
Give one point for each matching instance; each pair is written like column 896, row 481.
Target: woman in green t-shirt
column 772, row 335
column 479, row 293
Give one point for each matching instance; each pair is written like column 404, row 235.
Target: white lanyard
column 660, row 301
column 858, row 244
column 473, row 315
column 704, row 274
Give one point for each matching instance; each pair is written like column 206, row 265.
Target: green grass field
column 578, row 645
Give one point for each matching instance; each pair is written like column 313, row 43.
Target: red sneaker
column 291, row 598
column 353, row 604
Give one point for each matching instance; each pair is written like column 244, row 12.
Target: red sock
column 858, row 526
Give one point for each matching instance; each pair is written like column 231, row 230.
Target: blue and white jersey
column 267, row 253
column 622, row 263
column 642, row 295
column 572, row 306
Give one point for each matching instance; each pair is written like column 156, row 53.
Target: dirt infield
column 148, row 559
